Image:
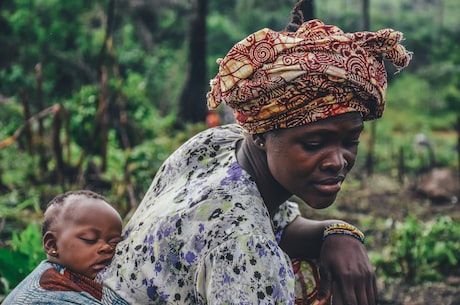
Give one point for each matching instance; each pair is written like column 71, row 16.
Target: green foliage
column 11, row 208
column 406, row 92
column 10, row 118
column 25, row 254
column 46, row 32
column 411, row 110
column 82, row 110
column 144, row 160
column 271, row 14
column 146, row 60
column 421, row 251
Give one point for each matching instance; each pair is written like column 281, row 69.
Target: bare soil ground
column 378, row 200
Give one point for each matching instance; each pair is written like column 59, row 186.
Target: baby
column 80, row 232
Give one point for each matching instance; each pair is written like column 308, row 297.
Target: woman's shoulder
column 217, row 143
column 219, row 134
column 197, row 166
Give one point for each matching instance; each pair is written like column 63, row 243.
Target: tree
column 192, row 103
column 366, row 15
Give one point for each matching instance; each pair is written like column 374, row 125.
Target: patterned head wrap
column 275, row 80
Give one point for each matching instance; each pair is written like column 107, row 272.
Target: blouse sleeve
column 250, row 270
column 286, row 214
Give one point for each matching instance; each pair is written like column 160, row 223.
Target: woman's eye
column 352, row 143
column 312, row 145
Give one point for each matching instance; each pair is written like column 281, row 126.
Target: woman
column 216, row 226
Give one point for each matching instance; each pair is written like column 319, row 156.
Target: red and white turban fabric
column 276, row 80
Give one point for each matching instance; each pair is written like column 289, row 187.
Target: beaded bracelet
column 343, row 228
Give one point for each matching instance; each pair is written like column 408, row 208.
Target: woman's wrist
column 343, row 229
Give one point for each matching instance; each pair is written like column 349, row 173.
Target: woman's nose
column 335, row 160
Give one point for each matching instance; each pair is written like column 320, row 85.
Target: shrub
column 421, row 251
column 21, row 258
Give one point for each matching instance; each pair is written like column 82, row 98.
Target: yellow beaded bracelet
column 345, row 229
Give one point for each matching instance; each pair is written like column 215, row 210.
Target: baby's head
column 80, row 231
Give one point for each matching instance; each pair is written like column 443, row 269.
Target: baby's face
column 87, row 235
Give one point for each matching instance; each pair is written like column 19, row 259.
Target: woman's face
column 311, row 161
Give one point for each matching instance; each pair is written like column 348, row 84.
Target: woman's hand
column 345, row 269
column 346, row 272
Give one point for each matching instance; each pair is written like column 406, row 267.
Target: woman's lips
column 329, row 186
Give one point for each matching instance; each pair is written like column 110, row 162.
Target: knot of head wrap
column 275, row 80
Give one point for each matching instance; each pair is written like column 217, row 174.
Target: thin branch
column 42, row 114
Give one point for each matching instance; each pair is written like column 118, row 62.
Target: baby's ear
column 49, row 243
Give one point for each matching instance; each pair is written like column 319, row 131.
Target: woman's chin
column 319, row 203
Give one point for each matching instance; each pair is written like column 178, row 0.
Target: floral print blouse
column 202, row 234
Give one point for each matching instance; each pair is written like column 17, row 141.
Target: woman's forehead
column 347, row 122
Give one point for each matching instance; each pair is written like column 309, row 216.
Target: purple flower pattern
column 202, row 234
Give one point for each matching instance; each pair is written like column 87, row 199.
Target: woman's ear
column 50, row 244
column 259, row 140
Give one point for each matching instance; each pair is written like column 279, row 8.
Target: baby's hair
column 59, row 201
column 297, row 16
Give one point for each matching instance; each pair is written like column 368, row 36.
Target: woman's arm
column 303, row 238
column 345, row 268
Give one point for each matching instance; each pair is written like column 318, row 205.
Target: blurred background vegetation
column 96, row 94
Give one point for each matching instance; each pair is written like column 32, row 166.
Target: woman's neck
column 254, row 161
